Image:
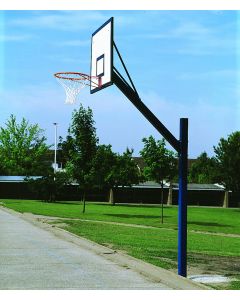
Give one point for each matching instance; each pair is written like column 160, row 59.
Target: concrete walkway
column 34, row 258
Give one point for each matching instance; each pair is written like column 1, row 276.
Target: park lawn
column 218, row 220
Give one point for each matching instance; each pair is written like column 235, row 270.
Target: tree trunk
column 53, row 197
column 226, row 199
column 162, row 199
column 111, row 197
column 84, row 201
column 169, row 201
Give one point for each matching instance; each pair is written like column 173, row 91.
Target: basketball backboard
column 102, row 57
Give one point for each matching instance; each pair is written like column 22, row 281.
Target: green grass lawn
column 157, row 244
column 202, row 219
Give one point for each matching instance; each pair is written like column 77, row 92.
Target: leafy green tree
column 22, row 148
column 203, row 170
column 65, row 148
column 126, row 170
column 228, row 161
column 80, row 149
column 49, row 186
column 161, row 163
column 112, row 170
column 103, row 167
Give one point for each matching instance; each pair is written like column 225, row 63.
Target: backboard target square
column 102, row 56
column 100, row 66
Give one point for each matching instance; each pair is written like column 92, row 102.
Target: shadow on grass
column 209, row 224
column 68, row 203
column 129, row 216
column 77, row 202
column 157, row 205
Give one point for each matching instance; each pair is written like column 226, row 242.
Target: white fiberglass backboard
column 102, row 57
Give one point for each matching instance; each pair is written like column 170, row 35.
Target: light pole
column 55, row 148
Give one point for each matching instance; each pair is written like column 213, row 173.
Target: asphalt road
column 34, row 258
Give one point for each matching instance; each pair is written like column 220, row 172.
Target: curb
column 150, row 271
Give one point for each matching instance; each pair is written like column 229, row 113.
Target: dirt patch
column 207, row 264
column 60, row 225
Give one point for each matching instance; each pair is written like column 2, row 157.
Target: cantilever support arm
column 137, row 102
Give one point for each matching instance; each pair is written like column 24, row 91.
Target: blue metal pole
column 182, row 198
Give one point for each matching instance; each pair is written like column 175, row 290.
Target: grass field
column 213, row 233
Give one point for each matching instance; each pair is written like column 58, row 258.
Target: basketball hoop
column 74, row 82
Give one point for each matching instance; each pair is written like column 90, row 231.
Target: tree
column 103, row 166
column 203, row 170
column 80, row 149
column 65, row 148
column 161, row 163
column 49, row 186
column 228, row 161
column 112, row 170
column 22, row 148
column 126, row 170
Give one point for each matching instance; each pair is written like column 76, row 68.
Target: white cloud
column 15, row 38
column 195, row 38
column 180, row 30
column 222, row 73
column 60, row 20
column 68, row 59
column 73, row 43
column 191, row 30
column 214, row 45
column 72, row 20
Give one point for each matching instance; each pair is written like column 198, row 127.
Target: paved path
column 33, row 258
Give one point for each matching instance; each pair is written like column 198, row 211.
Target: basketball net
column 74, row 82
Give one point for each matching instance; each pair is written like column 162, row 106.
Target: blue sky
column 183, row 63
